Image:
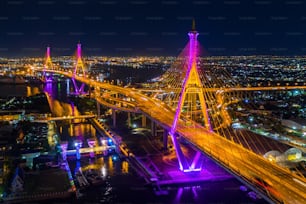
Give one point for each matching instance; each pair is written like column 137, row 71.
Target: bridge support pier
column 78, row 90
column 70, row 129
column 89, row 92
column 67, row 86
column 114, row 117
column 98, row 109
column 129, row 120
column 165, row 139
column 143, row 121
column 153, row 128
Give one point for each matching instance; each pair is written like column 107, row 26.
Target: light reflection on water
column 125, row 186
column 9, row 90
column 33, row 90
column 61, row 105
column 78, row 131
column 106, row 166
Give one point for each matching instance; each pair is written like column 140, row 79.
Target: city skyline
column 151, row 28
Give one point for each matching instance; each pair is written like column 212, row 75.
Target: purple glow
column 72, row 108
column 191, row 71
column 48, row 52
column 64, row 150
column 195, row 194
column 79, row 51
column 178, row 195
column 64, row 146
column 76, row 88
column 197, row 162
column 48, row 61
column 48, row 88
column 49, row 79
column 81, row 90
column 91, row 144
column 193, row 35
column 192, row 62
column 79, row 63
column 177, row 150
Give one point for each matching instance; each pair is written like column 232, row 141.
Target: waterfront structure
column 64, row 146
column 78, row 145
column 92, row 143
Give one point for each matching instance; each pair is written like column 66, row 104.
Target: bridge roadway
column 129, row 107
column 45, row 120
column 285, row 186
column 70, row 117
column 230, row 89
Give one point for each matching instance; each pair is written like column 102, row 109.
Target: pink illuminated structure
column 79, row 70
column 48, row 65
column 191, row 82
column 79, row 62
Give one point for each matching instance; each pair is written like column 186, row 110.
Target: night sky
column 151, row 27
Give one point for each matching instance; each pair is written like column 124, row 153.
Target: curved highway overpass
column 283, row 185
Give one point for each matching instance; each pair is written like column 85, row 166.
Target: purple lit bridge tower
column 191, row 94
column 48, row 65
column 79, row 70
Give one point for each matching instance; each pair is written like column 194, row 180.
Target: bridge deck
column 287, row 187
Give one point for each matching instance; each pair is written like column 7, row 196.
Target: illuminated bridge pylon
column 48, row 65
column 79, row 70
column 191, row 103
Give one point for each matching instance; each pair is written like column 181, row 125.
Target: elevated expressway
column 284, row 186
column 229, row 89
column 69, row 117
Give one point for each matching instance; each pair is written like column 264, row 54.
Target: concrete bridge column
column 98, row 109
column 71, row 128
column 153, row 128
column 129, row 120
column 165, row 138
column 143, row 121
column 89, row 91
column 68, row 86
column 114, row 117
